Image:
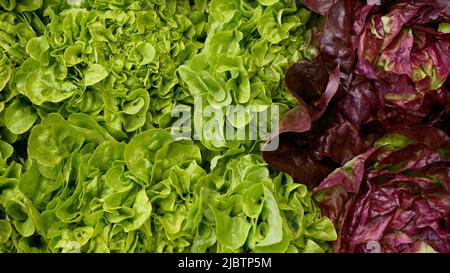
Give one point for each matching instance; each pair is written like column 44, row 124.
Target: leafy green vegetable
column 53, row 140
column 94, row 74
column 238, row 207
column 19, row 117
column 246, row 52
column 153, row 194
column 87, row 159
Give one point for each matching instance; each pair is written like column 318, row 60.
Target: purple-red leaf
column 319, row 6
column 307, row 80
column 336, row 41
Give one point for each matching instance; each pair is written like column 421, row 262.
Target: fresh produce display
column 224, row 126
column 371, row 132
column 88, row 162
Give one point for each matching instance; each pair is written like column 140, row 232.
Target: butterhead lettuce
column 87, row 159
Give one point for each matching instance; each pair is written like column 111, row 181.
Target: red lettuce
column 381, row 68
column 396, row 195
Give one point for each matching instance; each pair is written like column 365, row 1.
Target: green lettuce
column 80, row 193
column 238, row 207
column 123, row 59
column 248, row 47
column 88, row 162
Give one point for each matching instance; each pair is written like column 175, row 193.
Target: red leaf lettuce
column 395, row 196
column 381, row 68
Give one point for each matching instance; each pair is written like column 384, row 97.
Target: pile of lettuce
column 371, row 131
column 114, row 61
column 87, row 159
column 248, row 47
column 395, row 196
column 82, row 190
